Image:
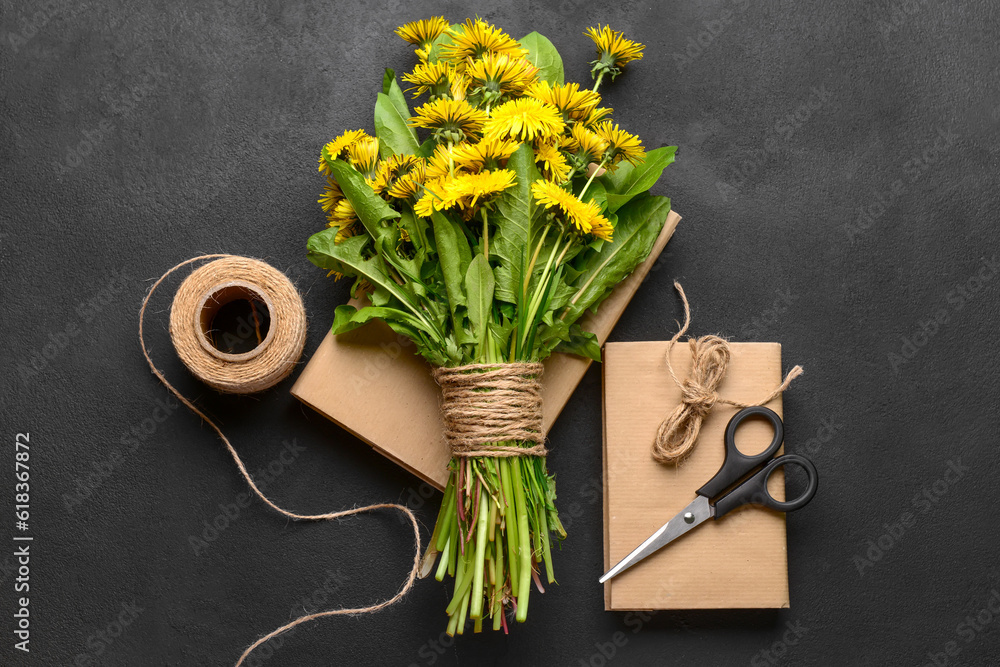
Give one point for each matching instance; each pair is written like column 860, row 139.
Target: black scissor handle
column 738, row 465
column 754, row 490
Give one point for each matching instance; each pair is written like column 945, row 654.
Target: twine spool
column 212, row 286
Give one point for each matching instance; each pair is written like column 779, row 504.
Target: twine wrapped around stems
column 491, row 409
column 678, row 433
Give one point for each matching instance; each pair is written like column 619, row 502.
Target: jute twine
column 263, row 381
column 492, row 409
column 678, row 433
column 211, row 286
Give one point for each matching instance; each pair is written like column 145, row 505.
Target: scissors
column 713, row 501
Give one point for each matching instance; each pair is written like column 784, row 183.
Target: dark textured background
column 837, row 174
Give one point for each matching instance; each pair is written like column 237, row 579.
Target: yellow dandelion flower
column 379, row 181
column 459, row 87
column 586, row 144
column 498, row 74
column 441, row 163
column 433, row 78
column 451, row 120
column 345, row 232
column 408, row 184
column 597, row 115
column 336, row 148
column 331, row 195
column 572, row 102
column 423, row 208
column 621, row 144
column 397, row 165
column 472, row 39
column 584, row 215
column 436, row 196
column 486, row 154
column 462, row 191
column 469, row 189
column 551, row 195
column 391, row 169
column 524, row 119
column 342, row 214
column 363, row 155
column 613, row 51
column 602, row 228
column 553, row 162
column 424, row 31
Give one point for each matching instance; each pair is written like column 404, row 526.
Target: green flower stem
column 546, row 548
column 520, row 334
column 463, row 611
column 479, row 565
column 536, row 298
column 444, row 520
column 488, row 580
column 537, row 533
column 452, row 625
column 443, row 561
column 453, row 563
column 510, row 521
column 492, row 522
column 486, row 235
column 531, row 265
column 597, row 84
column 499, row 575
column 591, row 179
column 543, row 287
column 463, row 581
column 524, row 544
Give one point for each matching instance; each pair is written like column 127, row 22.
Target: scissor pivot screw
column 688, row 517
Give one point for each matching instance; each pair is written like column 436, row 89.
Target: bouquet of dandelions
column 485, row 244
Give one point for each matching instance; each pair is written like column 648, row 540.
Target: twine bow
column 676, row 437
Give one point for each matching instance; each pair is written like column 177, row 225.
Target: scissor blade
column 699, row 510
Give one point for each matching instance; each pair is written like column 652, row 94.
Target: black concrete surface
column 837, row 174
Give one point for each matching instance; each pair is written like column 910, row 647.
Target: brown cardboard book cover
column 371, row 382
column 737, row 562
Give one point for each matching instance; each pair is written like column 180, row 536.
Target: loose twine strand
column 678, row 433
column 291, row 515
column 489, row 409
